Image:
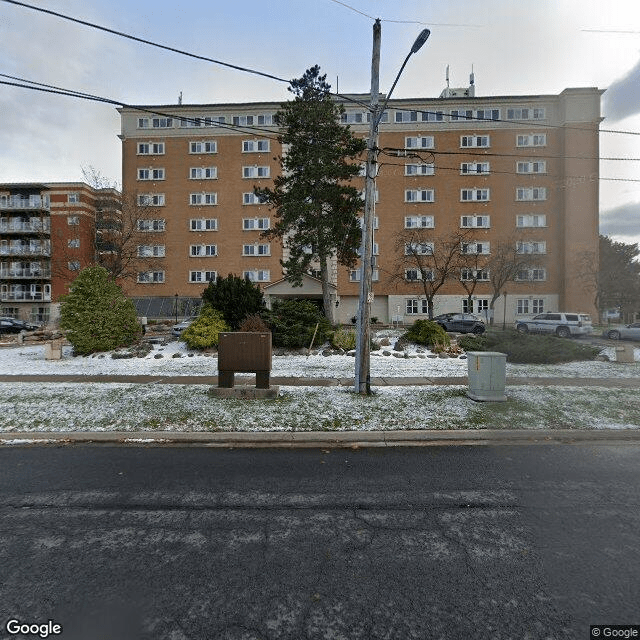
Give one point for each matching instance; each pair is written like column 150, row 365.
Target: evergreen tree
column 235, row 297
column 96, row 314
column 316, row 207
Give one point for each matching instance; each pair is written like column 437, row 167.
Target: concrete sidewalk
column 613, row 383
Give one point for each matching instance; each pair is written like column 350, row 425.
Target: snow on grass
column 30, row 360
column 161, row 408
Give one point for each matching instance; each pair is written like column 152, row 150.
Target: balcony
column 20, row 203
column 17, row 225
column 25, row 296
column 26, row 274
column 25, row 250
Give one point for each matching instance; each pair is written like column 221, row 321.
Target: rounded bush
column 204, row 331
column 428, row 333
column 96, row 315
column 293, row 323
column 343, row 339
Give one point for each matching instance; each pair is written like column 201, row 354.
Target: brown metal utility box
column 242, row 351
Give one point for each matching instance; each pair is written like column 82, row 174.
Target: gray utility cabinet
column 487, row 375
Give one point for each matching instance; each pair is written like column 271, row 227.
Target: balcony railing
column 25, row 251
column 24, row 296
column 21, row 203
column 40, row 274
column 20, row 226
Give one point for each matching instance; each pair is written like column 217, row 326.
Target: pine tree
column 235, row 297
column 316, row 206
column 96, row 314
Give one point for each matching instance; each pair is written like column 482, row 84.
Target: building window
column 418, row 248
column 262, row 119
column 73, row 220
column 531, row 275
column 461, row 114
column 473, row 222
column 151, row 199
column 150, row 174
column 419, row 222
column 203, row 276
column 538, row 220
column 256, row 172
column 255, row 146
column 538, row 305
column 522, row 306
column 150, row 276
column 252, row 198
column 155, row 123
column 475, row 248
column 259, row 275
column 474, row 167
column 531, row 247
column 417, row 274
column 355, row 274
column 150, row 251
column 203, row 173
column 250, row 224
column 474, row 141
column 525, row 113
column 150, row 148
column 74, row 265
column 73, row 243
column 419, row 142
column 203, row 146
column 419, row 195
column 203, row 199
column 411, row 307
column 474, row 195
column 203, row 224
column 151, row 225
column 479, row 275
column 197, row 250
column 353, row 117
column 419, row 169
column 73, row 198
column 531, row 167
column 532, row 140
column 529, row 194
column 256, row 249
column 488, row 114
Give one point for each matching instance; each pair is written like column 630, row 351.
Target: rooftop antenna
column 180, row 98
column 447, row 76
column 472, row 77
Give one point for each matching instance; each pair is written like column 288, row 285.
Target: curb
column 321, row 439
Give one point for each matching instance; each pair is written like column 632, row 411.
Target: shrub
column 343, row 339
column 293, row 323
column 428, row 333
column 204, row 332
column 235, row 297
column 254, row 323
column 96, row 314
column 530, row 348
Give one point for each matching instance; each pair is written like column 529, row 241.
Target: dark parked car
column 10, row 325
column 460, row 322
column 626, row 332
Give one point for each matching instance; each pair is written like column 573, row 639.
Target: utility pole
column 363, row 325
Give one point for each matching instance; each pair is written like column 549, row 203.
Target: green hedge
column 428, row 333
column 204, row 332
column 293, row 323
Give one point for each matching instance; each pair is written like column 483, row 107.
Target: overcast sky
column 515, row 48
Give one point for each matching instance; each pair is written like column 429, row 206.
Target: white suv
column 562, row 324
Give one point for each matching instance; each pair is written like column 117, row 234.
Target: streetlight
column 362, row 368
column 504, row 311
column 176, row 309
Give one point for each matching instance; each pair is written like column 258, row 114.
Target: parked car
column 562, row 324
column 177, row 329
column 460, row 322
column 11, row 325
column 626, row 332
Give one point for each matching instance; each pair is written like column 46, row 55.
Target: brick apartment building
column 518, row 169
column 47, row 234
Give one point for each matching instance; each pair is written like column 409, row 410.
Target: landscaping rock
column 158, row 356
column 177, row 355
column 386, row 353
column 385, row 342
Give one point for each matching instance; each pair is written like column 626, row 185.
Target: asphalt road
column 503, row 542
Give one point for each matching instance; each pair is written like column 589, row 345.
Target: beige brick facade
column 533, row 160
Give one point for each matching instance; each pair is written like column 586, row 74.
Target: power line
column 144, row 41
